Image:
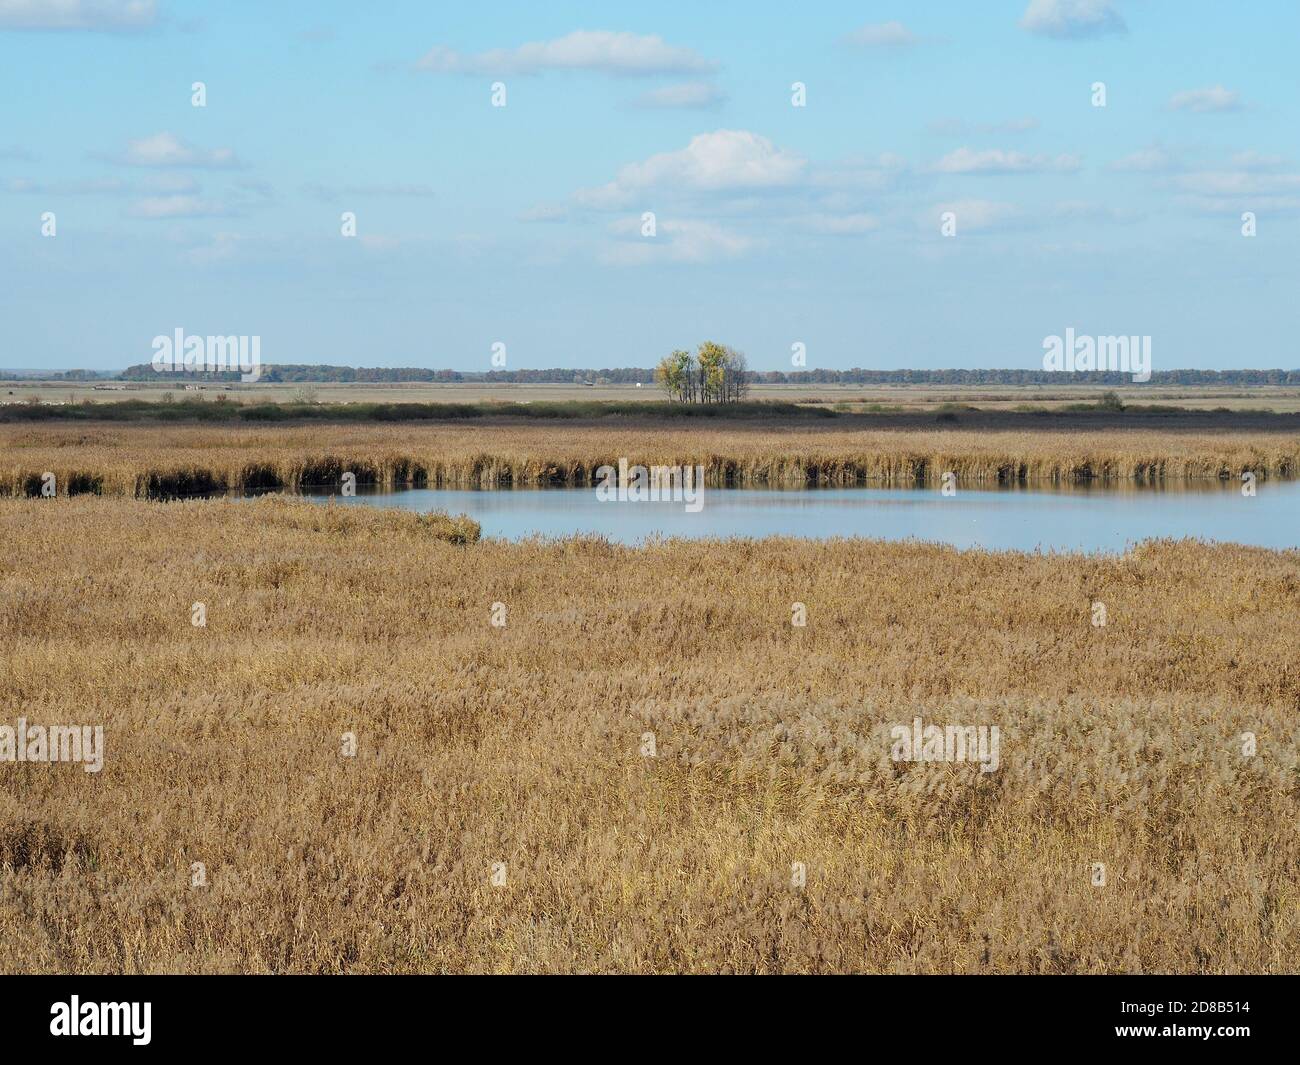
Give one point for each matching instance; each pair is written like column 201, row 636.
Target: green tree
column 712, row 362
column 674, row 374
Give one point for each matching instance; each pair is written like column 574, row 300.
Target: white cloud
column 1219, row 205
column 882, row 35
column 843, row 225
column 997, row 161
column 687, row 94
column 1088, row 211
column 1206, row 101
column 222, row 246
column 677, row 241
column 261, row 189
column 1237, row 183
column 396, row 190
column 1247, row 180
column 171, row 183
column 601, row 51
column 1256, row 161
column 1151, row 160
column 155, row 191
column 166, row 149
column 545, row 212
column 726, row 160
column 883, row 174
column 957, row 127
column 971, row 214
column 1250, row 188
column 177, row 206
column 1072, row 19
column 77, row 14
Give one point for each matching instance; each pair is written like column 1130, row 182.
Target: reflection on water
column 1075, row 518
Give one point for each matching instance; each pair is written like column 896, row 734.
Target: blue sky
column 774, row 224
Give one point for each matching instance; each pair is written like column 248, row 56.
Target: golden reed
column 647, row 767
column 159, row 461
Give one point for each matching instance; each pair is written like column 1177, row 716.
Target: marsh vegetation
column 158, row 461
column 519, row 747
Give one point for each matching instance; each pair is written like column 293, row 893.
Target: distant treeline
column 306, row 374
column 320, row 374
column 223, row 410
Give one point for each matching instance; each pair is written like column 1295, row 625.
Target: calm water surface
column 1066, row 519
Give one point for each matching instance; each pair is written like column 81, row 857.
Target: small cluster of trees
column 714, row 374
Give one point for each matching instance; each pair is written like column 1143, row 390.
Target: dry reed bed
column 152, row 461
column 521, row 745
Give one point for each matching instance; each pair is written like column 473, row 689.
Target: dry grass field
column 152, row 460
column 519, row 748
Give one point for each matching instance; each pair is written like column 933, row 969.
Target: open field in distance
column 522, row 745
column 905, row 397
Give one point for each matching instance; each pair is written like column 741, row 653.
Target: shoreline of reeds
column 155, row 462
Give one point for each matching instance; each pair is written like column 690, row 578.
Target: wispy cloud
column 686, row 95
column 260, row 189
column 677, row 241
column 1237, row 183
column 1153, row 160
column 383, row 190
column 599, row 51
column 91, row 187
column 178, row 206
column 545, row 212
column 956, row 127
column 168, row 150
column 1206, row 101
column 881, row 175
column 1257, row 161
column 723, row 161
column 1234, row 190
column 168, row 184
column 221, row 247
column 882, row 35
column 977, row 215
column 1089, row 211
column 1072, row 19
column 163, row 195
column 1244, row 180
column 96, row 15
column 997, row 161
column 376, row 242
column 842, row 225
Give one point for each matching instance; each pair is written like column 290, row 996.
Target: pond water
column 1053, row 519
